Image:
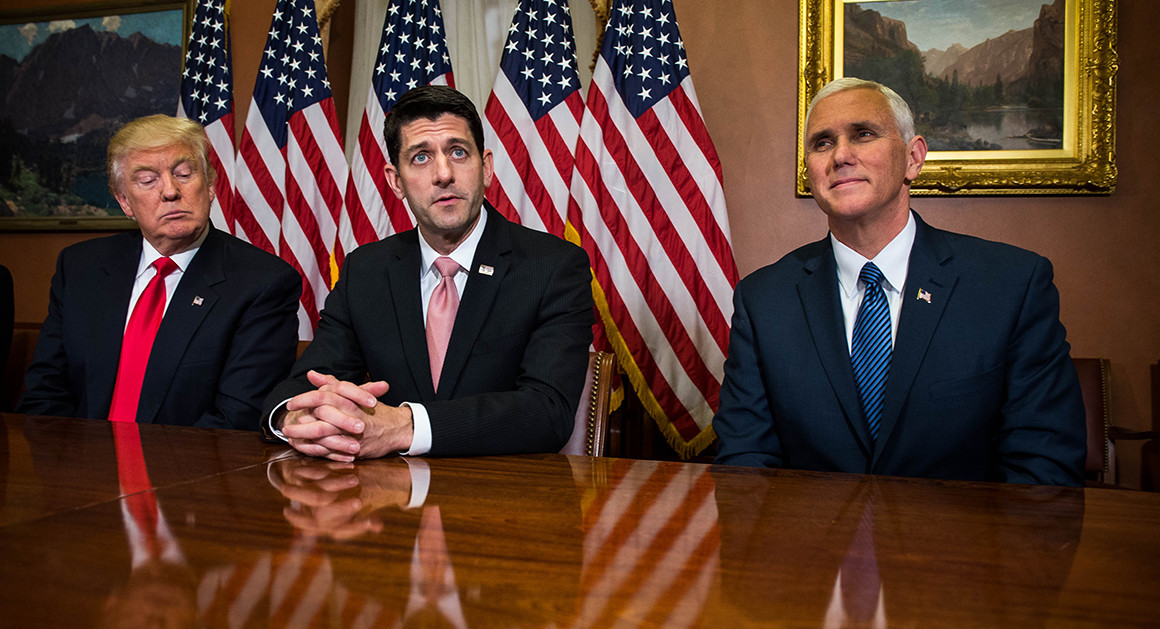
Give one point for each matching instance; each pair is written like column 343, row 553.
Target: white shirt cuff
column 270, row 420
column 421, row 440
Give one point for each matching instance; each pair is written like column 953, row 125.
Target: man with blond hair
column 172, row 323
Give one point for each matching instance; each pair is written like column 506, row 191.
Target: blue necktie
column 870, row 350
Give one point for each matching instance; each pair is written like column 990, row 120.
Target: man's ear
column 488, row 168
column 915, row 157
column 394, row 181
column 123, row 201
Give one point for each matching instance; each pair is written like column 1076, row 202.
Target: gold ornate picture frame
column 1082, row 161
column 70, row 76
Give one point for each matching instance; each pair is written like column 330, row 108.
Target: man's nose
column 442, row 172
column 169, row 188
column 843, row 152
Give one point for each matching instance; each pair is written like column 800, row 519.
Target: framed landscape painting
column 1012, row 96
column 69, row 78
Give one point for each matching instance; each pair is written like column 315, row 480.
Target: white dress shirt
column 146, row 272
column 893, row 261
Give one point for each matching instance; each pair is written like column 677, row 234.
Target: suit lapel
column 192, row 301
column 478, row 297
column 818, row 291
column 402, row 270
column 107, row 317
column 931, row 271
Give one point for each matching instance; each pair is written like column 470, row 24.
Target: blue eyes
column 456, row 153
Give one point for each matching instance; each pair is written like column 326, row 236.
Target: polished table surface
column 231, row 532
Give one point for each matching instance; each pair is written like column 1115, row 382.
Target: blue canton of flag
column 207, row 96
column 643, row 48
column 540, row 56
column 293, row 72
column 413, row 50
column 207, row 83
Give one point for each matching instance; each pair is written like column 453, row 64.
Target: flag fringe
column 684, row 449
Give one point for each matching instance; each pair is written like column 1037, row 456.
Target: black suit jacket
column 518, row 353
column 981, row 386
column 229, row 334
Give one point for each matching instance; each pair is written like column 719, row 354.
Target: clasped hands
column 342, row 421
column 340, row 500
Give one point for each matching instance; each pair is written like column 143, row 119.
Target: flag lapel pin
column 485, row 269
column 197, row 301
column 924, row 295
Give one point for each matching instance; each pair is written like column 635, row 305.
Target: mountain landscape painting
column 66, row 85
column 979, row 75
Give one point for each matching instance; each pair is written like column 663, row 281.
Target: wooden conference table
column 106, row 526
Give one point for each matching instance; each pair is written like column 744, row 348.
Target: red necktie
column 441, row 316
column 137, row 344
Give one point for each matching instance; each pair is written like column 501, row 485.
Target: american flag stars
column 650, row 56
column 413, row 49
column 540, row 55
column 294, row 67
column 207, row 67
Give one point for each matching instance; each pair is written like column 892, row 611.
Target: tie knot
column 164, row 266
column 871, row 275
column 446, row 266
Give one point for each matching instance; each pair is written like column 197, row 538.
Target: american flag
column 412, row 52
column 291, row 170
column 532, row 118
column 649, row 207
column 207, row 96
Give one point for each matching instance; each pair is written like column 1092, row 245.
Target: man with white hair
column 892, row 347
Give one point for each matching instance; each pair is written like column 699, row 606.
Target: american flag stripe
column 412, row 52
column 672, row 378
column 523, row 148
column 258, row 195
column 532, row 118
column 660, row 170
column 649, row 208
column 221, row 142
column 207, row 87
column 368, row 181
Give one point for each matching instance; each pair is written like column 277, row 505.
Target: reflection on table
column 105, row 526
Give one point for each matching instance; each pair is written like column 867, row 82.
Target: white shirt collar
column 893, row 260
column 463, row 254
column 149, row 254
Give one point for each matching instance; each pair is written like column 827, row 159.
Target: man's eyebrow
column 141, row 168
column 849, row 126
column 816, row 135
column 425, row 145
column 411, row 148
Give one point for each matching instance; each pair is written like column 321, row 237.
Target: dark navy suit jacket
column 518, row 353
column 228, row 336
column 981, row 386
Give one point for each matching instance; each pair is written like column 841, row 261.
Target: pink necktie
column 441, row 316
column 137, row 344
